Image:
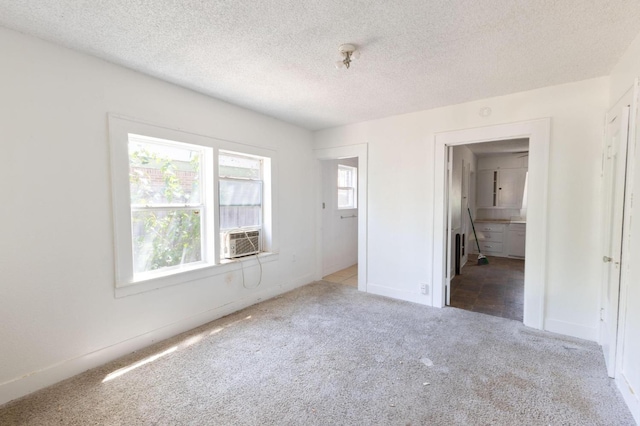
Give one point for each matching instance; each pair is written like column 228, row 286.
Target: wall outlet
column 424, row 288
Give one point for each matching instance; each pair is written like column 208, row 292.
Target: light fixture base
column 348, row 51
column 347, row 48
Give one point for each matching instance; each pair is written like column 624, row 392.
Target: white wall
column 339, row 229
column 628, row 359
column 401, row 179
column 57, row 305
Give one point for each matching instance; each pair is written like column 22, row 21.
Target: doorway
column 487, row 195
column 340, row 221
column 538, row 134
column 358, row 152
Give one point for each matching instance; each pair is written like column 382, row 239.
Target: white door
column 450, row 239
column 613, row 179
column 464, row 214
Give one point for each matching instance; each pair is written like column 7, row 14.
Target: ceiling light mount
column 349, row 52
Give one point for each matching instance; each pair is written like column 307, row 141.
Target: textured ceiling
column 277, row 56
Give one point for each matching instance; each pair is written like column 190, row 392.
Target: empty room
column 252, row 213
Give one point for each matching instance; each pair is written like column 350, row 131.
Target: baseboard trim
column 394, row 293
column 630, row 397
column 571, row 329
column 39, row 379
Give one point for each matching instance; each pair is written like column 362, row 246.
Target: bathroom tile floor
column 495, row 289
column 347, row 276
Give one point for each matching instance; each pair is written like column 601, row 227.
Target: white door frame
column 535, row 276
column 349, row 151
column 449, row 242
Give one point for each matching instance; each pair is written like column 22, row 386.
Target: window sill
column 205, row 271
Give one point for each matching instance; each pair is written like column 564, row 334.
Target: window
column 347, row 187
column 240, row 201
column 240, row 191
column 174, row 196
column 168, row 204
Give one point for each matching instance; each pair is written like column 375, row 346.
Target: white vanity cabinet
column 500, row 187
column 486, row 188
column 502, row 239
column 516, row 240
column 511, row 187
column 491, row 238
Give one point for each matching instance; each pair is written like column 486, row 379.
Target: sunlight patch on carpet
column 131, row 367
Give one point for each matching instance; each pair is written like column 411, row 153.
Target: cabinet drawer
column 490, row 236
column 490, row 247
column 516, row 244
column 490, row 227
column 522, row 227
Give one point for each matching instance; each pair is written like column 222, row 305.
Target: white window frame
column 264, row 242
column 205, row 206
column 126, row 283
column 354, row 173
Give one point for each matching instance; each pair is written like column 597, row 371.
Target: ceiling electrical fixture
column 484, row 112
column 348, row 52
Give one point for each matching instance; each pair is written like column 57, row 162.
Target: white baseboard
column 36, row 380
column 630, row 396
column 394, row 293
column 571, row 329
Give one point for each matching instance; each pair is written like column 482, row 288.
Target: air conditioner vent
column 242, row 243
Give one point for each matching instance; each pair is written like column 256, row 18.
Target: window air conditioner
column 241, row 243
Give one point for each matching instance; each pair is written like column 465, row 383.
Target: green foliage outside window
column 165, row 203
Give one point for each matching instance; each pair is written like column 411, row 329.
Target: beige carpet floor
column 326, row 354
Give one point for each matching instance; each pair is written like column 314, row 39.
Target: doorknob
column 606, row 259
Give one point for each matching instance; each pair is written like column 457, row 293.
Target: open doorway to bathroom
column 340, row 221
column 488, row 192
